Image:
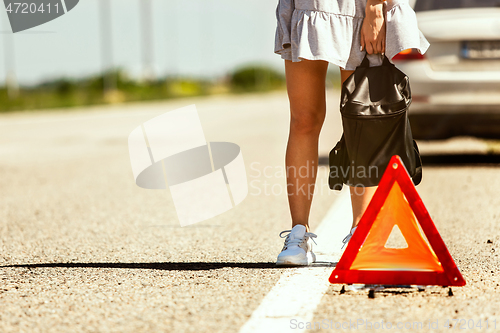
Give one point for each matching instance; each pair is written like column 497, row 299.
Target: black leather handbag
column 374, row 107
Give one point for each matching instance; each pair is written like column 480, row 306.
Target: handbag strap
column 339, row 143
column 417, row 177
column 366, row 62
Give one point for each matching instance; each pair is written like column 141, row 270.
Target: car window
column 423, row 5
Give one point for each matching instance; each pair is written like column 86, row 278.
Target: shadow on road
column 446, row 160
column 461, row 159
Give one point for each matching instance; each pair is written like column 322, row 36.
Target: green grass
column 67, row 93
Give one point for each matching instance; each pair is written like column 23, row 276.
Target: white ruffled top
column 330, row 30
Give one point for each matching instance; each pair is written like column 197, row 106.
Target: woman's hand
column 373, row 28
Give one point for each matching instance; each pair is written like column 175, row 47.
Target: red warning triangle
column 425, row 261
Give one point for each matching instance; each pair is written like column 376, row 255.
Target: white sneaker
column 348, row 237
column 297, row 250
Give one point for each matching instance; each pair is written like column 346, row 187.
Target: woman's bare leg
column 360, row 196
column 305, row 81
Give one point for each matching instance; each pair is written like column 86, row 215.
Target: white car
column 456, row 84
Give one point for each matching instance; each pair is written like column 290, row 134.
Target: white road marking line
column 299, row 290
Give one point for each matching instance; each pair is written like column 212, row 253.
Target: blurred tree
column 256, row 78
column 64, row 86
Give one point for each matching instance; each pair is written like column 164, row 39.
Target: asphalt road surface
column 83, row 249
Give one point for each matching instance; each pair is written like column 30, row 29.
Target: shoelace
column 346, row 240
column 296, row 241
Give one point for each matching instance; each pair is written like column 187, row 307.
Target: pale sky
column 191, row 37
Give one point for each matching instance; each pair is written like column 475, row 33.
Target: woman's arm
column 373, row 28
